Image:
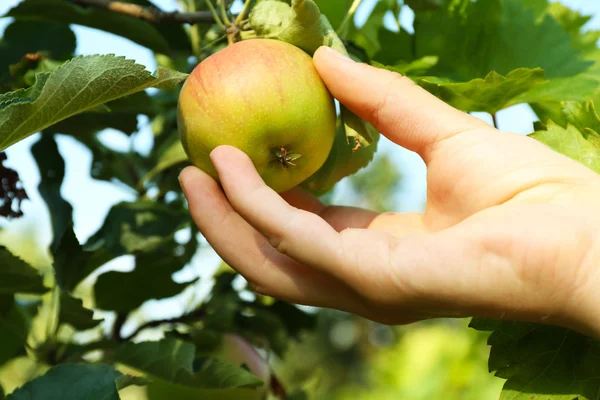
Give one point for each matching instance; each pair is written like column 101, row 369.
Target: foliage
column 75, row 328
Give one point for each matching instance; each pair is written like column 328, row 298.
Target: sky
column 92, row 199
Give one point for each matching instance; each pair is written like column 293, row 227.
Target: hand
column 511, row 229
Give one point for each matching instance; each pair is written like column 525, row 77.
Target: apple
column 264, row 97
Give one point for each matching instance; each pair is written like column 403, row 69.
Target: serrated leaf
column 142, row 226
column 120, row 114
column 156, row 38
column 572, row 143
column 492, row 94
column 52, row 172
column 78, row 85
column 16, row 276
column 413, row 69
column 584, row 117
column 460, row 32
column 151, row 279
column 341, row 162
column 72, row 382
column 543, row 362
column 298, row 23
column 172, row 360
column 73, row 312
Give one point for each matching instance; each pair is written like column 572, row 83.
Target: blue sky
column 92, row 199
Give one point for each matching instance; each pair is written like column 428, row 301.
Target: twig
column 243, row 13
column 349, row 15
column 215, row 15
column 149, row 14
column 495, row 120
column 191, row 317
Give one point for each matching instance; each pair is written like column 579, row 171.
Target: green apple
column 264, row 97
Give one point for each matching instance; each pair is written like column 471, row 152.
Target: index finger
column 402, row 111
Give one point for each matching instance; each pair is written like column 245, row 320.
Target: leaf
column 334, row 10
column 572, row 143
column 298, row 23
column 78, row 85
column 55, row 41
column 134, row 29
column 73, row 312
column 14, row 329
column 542, row 362
column 151, row 279
column 72, row 382
column 473, row 38
column 584, row 117
column 492, row 94
column 121, row 114
column 341, row 162
column 141, row 226
column 172, row 361
column 16, row 276
column 72, row 263
column 52, row 172
column 414, row 68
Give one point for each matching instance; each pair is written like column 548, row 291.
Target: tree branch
column 191, row 317
column 149, row 14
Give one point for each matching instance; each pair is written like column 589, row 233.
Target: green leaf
column 473, row 38
column 15, row 324
column 72, row 263
column 342, row 161
column 53, row 40
column 52, row 172
column 16, row 276
column 172, row 361
column 334, row 10
column 413, row 68
column 151, row 279
column 142, row 226
column 72, row 382
column 298, row 23
column 584, row 117
column 158, row 39
column 120, row 114
column 492, row 94
column 572, row 143
column 78, row 85
column 543, row 362
column 73, row 312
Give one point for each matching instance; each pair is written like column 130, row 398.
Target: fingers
column 402, row 111
column 302, row 235
column 238, row 244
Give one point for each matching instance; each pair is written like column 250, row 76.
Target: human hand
column 511, row 229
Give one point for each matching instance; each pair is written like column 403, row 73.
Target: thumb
column 402, row 111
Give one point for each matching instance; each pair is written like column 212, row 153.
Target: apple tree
column 479, row 56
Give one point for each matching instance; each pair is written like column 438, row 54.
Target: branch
column 150, row 14
column 191, row 317
column 120, row 320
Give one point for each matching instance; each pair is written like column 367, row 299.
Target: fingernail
column 336, row 54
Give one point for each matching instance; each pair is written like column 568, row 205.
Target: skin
column 259, row 95
column 511, row 228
